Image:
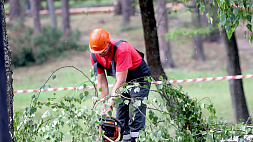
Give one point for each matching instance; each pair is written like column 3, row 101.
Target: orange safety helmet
column 99, row 40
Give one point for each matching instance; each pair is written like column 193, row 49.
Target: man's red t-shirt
column 126, row 57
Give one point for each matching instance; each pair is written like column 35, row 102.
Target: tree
column 132, row 7
column 198, row 52
column 8, row 68
column 35, row 15
column 230, row 15
column 118, row 6
column 52, row 13
column 125, row 12
column 236, row 86
column 164, row 46
column 15, row 10
column 214, row 35
column 65, row 18
column 151, row 39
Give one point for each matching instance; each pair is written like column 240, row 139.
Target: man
column 124, row 62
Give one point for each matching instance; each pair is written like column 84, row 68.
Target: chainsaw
column 112, row 129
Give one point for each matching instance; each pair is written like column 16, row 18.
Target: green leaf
column 204, row 132
column 100, row 89
column 120, row 100
column 138, row 103
column 126, row 102
column 53, row 76
column 107, row 106
column 236, row 24
column 155, row 119
column 86, row 93
column 45, row 86
column 160, row 78
column 94, row 138
column 131, row 107
column 84, row 85
column 137, row 89
column 249, row 17
column 81, row 96
column 229, row 20
column 160, row 86
column 249, row 26
column 110, row 113
column 104, row 116
column 250, row 39
column 115, row 99
column 202, row 8
column 145, row 101
column 245, row 34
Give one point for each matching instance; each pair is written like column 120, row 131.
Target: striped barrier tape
column 154, row 82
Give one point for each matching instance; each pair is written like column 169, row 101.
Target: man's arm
column 102, row 83
column 120, row 80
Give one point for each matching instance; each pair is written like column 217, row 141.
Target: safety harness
column 111, row 71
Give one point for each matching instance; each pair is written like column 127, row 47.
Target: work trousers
column 132, row 125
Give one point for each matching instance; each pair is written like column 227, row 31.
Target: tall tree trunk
column 164, row 46
column 52, row 13
column 28, row 6
column 197, row 39
column 214, row 35
column 35, row 15
column 8, row 68
column 236, row 87
column 125, row 4
column 65, row 18
column 15, row 10
column 151, row 39
column 132, row 8
column 117, row 7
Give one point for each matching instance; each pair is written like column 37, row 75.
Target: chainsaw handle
column 121, row 128
column 119, row 124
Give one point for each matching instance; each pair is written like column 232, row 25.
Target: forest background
column 182, row 49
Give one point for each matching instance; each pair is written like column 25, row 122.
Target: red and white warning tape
column 207, row 79
column 154, row 82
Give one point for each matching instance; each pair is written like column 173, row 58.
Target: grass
column 33, row 77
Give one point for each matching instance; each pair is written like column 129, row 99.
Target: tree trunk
column 164, row 46
column 65, row 18
column 15, row 10
column 125, row 4
column 8, row 68
column 40, row 7
column 117, row 7
column 151, row 39
column 52, row 13
column 197, row 39
column 28, row 6
column 132, row 8
column 214, row 35
column 236, row 87
column 36, row 16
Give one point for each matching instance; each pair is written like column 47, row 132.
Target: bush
column 172, row 116
column 29, row 49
